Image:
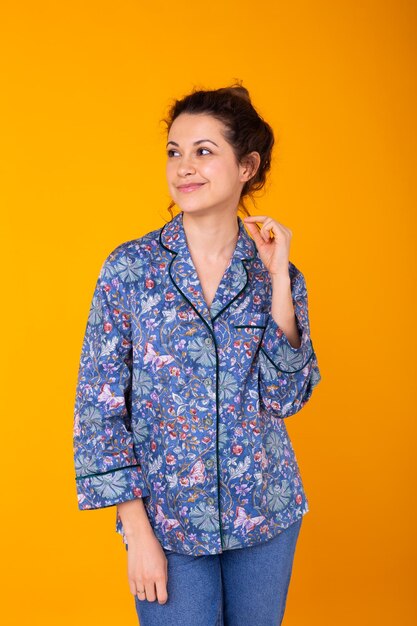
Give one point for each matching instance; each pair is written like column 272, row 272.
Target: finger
column 140, row 590
column 272, row 229
column 255, row 233
column 257, row 218
column 141, row 595
column 150, row 592
column 267, row 232
column 161, row 591
column 253, row 221
column 266, row 229
column 265, row 220
column 263, row 231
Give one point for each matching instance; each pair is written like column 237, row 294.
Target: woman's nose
column 186, row 166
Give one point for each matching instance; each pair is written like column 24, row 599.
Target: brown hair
column 245, row 129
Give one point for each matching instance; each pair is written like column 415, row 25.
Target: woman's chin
column 191, row 207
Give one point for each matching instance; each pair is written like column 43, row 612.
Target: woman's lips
column 189, row 188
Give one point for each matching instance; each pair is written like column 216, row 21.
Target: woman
column 197, row 348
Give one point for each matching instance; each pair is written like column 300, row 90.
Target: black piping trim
column 175, row 253
column 238, row 294
column 160, row 240
column 287, row 371
column 217, row 390
column 248, row 326
column 231, row 301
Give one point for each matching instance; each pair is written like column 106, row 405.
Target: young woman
column 197, row 348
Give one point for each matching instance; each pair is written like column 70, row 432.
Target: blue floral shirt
column 184, row 405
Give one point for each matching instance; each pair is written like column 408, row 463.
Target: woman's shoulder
column 140, row 247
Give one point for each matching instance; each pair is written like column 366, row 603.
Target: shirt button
column 207, row 382
column 208, row 341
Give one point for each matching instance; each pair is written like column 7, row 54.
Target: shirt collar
column 173, row 238
column 184, row 275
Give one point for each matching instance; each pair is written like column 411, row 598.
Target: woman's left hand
column 274, row 252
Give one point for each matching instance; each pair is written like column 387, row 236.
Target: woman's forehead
column 196, row 127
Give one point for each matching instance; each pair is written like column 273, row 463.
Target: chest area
column 210, row 276
column 175, row 332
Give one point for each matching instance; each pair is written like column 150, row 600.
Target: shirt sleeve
column 288, row 375
column 106, row 469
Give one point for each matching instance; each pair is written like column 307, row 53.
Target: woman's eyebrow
column 195, row 143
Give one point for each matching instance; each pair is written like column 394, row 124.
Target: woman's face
column 202, row 172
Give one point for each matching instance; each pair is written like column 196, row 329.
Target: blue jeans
column 239, row 587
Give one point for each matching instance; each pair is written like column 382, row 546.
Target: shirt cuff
column 281, row 353
column 109, row 488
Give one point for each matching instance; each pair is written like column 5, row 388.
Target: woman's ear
column 249, row 166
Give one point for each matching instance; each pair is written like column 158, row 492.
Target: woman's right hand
column 147, row 564
column 147, row 568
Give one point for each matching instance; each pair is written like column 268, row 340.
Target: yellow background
column 82, row 162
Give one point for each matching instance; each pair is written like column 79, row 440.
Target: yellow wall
column 82, row 168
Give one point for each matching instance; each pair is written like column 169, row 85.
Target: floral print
column 184, row 405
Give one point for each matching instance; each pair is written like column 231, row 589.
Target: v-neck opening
column 219, row 286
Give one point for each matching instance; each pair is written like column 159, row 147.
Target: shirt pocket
column 248, row 331
column 250, row 320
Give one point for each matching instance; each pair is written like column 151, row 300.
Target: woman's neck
column 211, row 238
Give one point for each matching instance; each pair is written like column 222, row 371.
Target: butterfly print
column 109, row 398
column 157, row 360
column 243, row 519
column 185, row 406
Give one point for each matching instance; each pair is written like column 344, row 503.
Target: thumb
column 254, row 231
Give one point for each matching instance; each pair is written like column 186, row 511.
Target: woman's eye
column 171, row 152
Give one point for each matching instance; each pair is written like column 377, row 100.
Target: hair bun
column 238, row 90
column 242, row 92
column 244, row 129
